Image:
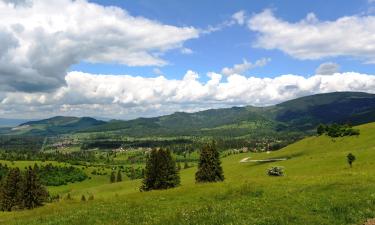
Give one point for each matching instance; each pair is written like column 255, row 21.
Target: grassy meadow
column 319, row 188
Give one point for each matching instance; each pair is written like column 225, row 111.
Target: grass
column 319, row 188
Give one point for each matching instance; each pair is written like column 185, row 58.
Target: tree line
column 337, row 130
column 161, row 171
column 21, row 190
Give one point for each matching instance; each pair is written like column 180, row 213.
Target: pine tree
column 11, row 190
column 34, row 193
column 209, row 166
column 113, row 177
column 83, row 198
column 160, row 171
column 351, row 158
column 119, row 176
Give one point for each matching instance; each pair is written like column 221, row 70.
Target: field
column 319, row 188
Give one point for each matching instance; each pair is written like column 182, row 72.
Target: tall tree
column 160, row 171
column 34, row 193
column 119, row 176
column 11, row 190
column 113, row 177
column 351, row 158
column 209, row 166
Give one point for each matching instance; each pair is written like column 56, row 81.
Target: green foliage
column 275, row 171
column 112, row 178
column 19, row 191
column 119, row 176
column 51, row 175
column 351, row 158
column 160, row 171
column 33, row 192
column 209, row 166
column 83, row 198
column 11, row 190
column 336, row 130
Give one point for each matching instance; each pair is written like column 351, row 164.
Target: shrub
column 275, row 171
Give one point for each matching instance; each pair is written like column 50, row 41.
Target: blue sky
column 232, row 44
column 126, row 59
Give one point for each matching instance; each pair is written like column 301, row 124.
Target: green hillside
column 301, row 115
column 55, row 125
column 319, row 188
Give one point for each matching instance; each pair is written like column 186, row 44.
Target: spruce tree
column 113, row 177
column 11, row 190
column 209, row 166
column 160, row 171
column 34, row 193
column 119, row 176
column 83, row 198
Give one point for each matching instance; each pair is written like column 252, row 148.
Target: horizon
column 24, row 120
column 146, row 59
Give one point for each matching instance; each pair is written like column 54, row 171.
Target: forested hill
column 298, row 115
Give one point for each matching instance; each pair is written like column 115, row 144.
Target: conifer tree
column 83, row 198
column 11, row 190
column 119, row 176
column 160, row 171
column 209, row 166
column 186, row 165
column 113, row 177
column 34, row 193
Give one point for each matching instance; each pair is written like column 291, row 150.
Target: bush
column 275, row 171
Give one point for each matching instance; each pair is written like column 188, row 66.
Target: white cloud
column 125, row 96
column 41, row 39
column 313, row 39
column 186, row 51
column 328, row 68
column 244, row 66
column 239, row 17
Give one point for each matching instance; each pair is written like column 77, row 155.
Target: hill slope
column 298, row 115
column 56, row 125
column 319, row 188
column 301, row 114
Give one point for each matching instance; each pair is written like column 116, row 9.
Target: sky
column 127, row 59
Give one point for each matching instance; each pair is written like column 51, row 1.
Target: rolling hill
column 298, row 115
column 319, row 188
column 55, row 125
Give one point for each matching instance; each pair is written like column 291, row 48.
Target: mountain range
column 298, row 115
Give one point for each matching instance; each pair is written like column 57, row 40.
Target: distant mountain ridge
column 298, row 115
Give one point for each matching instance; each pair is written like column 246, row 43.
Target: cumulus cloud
column 310, row 38
column 126, row 96
column 328, row 68
column 245, row 66
column 42, row 39
column 239, row 17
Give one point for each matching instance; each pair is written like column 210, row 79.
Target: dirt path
column 245, row 160
column 370, row 222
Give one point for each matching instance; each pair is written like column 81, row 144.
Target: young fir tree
column 11, row 190
column 83, row 198
column 209, row 166
column 119, row 176
column 113, row 177
column 34, row 193
column 351, row 158
column 160, row 171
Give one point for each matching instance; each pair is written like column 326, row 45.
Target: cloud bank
column 39, row 41
column 310, row 38
column 127, row 96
